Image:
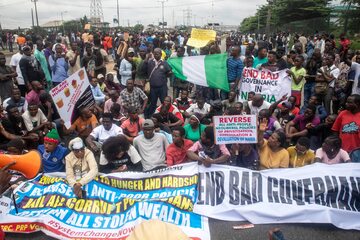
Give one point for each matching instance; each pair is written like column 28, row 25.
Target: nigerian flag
column 207, row 70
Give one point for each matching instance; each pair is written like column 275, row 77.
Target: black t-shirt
column 115, row 164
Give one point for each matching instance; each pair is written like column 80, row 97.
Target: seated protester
column 320, row 110
column 176, row 152
column 83, row 125
column 16, row 147
column 161, row 128
column 114, row 97
column 250, row 97
column 16, row 100
column 347, row 124
column 34, row 95
column 273, row 124
column 133, row 125
column 206, row 151
column 228, row 103
column 35, row 120
column 81, row 166
column 171, row 109
column 118, row 117
column 194, row 128
column 256, row 104
column 298, row 127
column 110, row 84
column 120, row 156
column 301, row 155
column 168, row 119
column 320, row 132
column 101, row 83
column 98, row 95
column 102, row 132
column 151, row 147
column 245, row 156
column 183, row 102
column 133, row 96
column 52, row 153
column 294, row 109
column 283, row 114
column 272, row 152
column 199, row 107
column 47, row 106
column 331, row 152
column 216, row 109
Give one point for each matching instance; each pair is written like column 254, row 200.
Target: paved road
column 221, row 230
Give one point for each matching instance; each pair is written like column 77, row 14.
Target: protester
column 300, row 154
column 81, row 167
column 7, row 74
column 331, row 152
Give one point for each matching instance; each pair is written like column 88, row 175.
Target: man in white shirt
column 101, row 133
column 257, row 104
column 14, row 63
column 73, row 58
column 200, row 107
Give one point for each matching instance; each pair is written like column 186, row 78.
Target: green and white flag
column 207, row 70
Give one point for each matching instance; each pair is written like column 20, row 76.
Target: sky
column 17, row 13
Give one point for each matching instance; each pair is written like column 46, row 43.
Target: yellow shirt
column 298, row 73
column 300, row 160
column 270, row 159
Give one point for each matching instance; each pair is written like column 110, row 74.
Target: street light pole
column 36, row 13
column 118, row 12
column 62, row 21
column 162, row 7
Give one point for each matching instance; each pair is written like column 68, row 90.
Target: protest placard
column 235, row 129
column 201, row 37
column 71, row 95
column 272, row 85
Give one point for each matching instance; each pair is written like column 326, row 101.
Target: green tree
column 138, row 28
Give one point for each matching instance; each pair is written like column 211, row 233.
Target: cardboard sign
column 201, row 37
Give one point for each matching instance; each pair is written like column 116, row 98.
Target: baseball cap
column 148, row 123
column 100, row 76
column 131, row 50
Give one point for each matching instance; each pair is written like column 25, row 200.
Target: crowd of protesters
column 137, row 124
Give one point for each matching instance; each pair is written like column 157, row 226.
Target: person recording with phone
column 81, row 166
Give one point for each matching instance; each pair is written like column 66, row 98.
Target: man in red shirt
column 176, row 152
column 347, row 124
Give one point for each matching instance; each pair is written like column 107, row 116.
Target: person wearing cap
column 59, row 65
column 283, row 114
column 194, row 128
column 101, row 82
column 52, row 153
column 126, row 68
column 151, row 147
column 81, row 166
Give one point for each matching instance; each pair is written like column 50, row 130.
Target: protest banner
column 114, row 205
column 235, row 129
column 316, row 193
column 71, row 95
column 271, row 85
column 201, row 37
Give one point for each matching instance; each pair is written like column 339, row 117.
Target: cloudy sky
column 16, row 13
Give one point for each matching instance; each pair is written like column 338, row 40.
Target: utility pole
column 62, row 21
column 212, row 14
column 268, row 18
column 162, row 7
column 118, row 12
column 36, row 13
column 32, row 17
column 187, row 16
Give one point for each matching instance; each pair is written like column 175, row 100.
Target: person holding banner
column 272, row 152
column 206, row 152
column 81, row 166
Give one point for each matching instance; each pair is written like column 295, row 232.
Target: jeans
column 155, row 94
column 309, row 89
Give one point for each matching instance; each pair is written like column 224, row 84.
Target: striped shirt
column 234, row 69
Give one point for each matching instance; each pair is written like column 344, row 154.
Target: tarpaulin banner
column 71, row 95
column 316, row 193
column 114, row 205
column 272, row 85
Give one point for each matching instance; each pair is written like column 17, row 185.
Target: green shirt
column 44, row 64
column 298, row 73
column 258, row 62
column 193, row 135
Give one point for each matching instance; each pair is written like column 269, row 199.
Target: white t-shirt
column 32, row 122
column 101, row 134
column 356, row 88
column 255, row 110
column 333, row 71
column 14, row 62
column 195, row 109
column 133, row 154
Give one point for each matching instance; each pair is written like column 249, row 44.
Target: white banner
column 272, row 85
column 114, row 205
column 316, row 193
column 235, row 129
column 72, row 94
